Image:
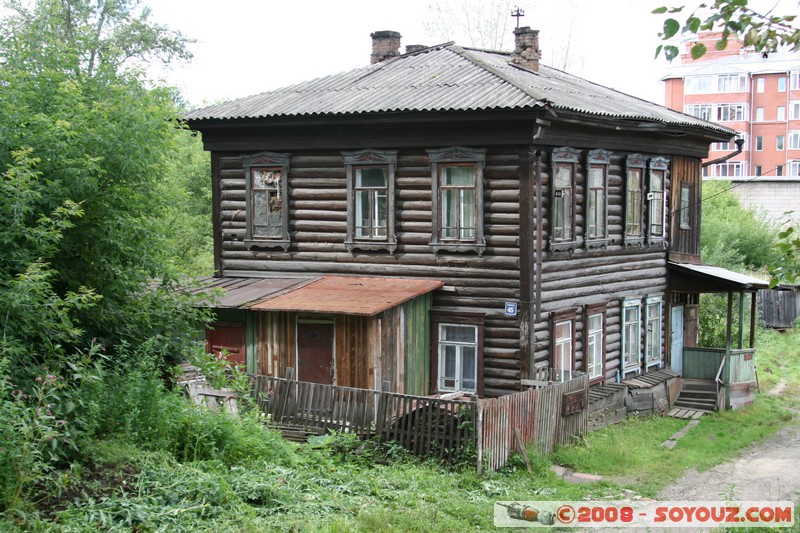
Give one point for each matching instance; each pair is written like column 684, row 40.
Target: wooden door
column 229, row 338
column 315, row 352
column 676, row 350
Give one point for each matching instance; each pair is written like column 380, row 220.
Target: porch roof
column 232, row 293
column 348, row 295
column 685, row 277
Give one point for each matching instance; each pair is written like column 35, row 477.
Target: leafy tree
column 102, row 141
column 763, row 31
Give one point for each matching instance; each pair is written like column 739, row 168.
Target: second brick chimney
column 385, row 45
column 526, row 48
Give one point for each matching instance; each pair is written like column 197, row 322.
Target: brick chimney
column 526, row 51
column 385, row 45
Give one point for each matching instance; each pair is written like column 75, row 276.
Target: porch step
column 680, row 412
column 297, row 433
column 697, row 394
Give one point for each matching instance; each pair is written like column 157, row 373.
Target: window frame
column 633, row 366
column 637, row 162
column 793, row 142
column 556, row 318
column 569, row 158
column 759, row 143
column 456, row 156
column 759, row 115
column 441, row 317
column 657, row 165
column 794, row 77
column 601, row 160
column 780, row 113
column 266, row 160
column 648, row 339
column 593, row 310
column 760, row 83
column 685, row 204
column 794, row 110
column 370, row 158
column 780, row 143
column 781, row 85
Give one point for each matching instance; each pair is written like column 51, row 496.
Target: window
column 370, row 199
column 760, row 85
column 759, row 143
column 631, row 334
column 794, row 76
column 458, row 340
column 652, row 342
column 595, row 342
column 457, row 199
column 267, row 204
column 729, row 112
column 702, row 111
column 780, row 114
column 779, row 142
column 726, row 170
column 563, row 328
column 596, row 201
column 709, row 83
column 781, row 85
column 758, row 170
column 794, row 110
column 730, row 145
column 685, row 205
column 759, row 114
column 779, row 170
column 563, row 196
column 794, row 168
column 655, row 198
column 633, row 198
column 794, row 140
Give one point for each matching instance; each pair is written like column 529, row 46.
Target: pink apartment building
column 758, row 96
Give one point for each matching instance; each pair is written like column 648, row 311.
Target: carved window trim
column 596, row 160
column 656, row 200
column 259, row 161
column 654, row 323
column 456, row 156
column 634, row 201
column 631, row 331
column 386, row 159
column 563, row 159
column 560, row 318
column 591, row 311
column 685, row 206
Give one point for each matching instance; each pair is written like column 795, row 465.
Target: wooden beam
column 729, row 324
column 752, row 320
column 740, row 340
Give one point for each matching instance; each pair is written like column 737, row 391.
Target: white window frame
column 631, row 335
column 459, row 360
column 794, row 110
column 759, row 143
column 595, row 343
column 781, row 85
column 759, row 114
column 794, row 78
column 701, row 111
column 780, row 143
column 653, row 347
column 730, row 169
column 794, row 169
column 780, row 113
column 793, row 142
column 759, row 85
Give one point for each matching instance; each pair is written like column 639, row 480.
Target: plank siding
column 685, row 242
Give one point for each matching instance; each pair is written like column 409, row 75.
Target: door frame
column 322, row 320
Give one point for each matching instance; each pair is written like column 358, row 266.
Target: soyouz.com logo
column 643, row 514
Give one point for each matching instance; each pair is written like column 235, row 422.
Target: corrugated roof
column 228, row 293
column 718, row 275
column 446, row 78
column 349, row 295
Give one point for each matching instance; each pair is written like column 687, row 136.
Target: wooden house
column 450, row 219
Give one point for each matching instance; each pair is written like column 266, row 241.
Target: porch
column 715, row 378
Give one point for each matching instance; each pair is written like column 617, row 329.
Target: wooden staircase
column 697, row 395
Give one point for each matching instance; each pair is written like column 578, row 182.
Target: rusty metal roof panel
column 231, row 293
column 348, row 295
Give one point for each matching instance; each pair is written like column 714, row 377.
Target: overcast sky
column 246, row 47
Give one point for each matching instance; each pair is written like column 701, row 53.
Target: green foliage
column 765, row 32
column 787, row 268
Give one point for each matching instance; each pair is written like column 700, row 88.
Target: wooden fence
column 438, row 427
column 549, row 413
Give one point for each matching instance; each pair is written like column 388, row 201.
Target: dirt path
column 768, row 470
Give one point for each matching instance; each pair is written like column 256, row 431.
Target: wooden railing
column 720, row 403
